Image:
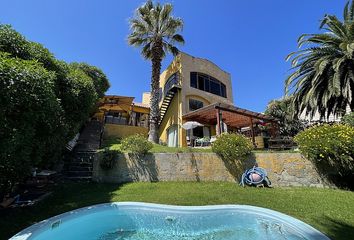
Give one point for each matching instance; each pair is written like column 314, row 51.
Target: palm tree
column 323, row 77
column 155, row 30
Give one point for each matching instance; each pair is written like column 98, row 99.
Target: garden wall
column 122, row 131
column 284, row 169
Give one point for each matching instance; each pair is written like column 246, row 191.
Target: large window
column 195, row 104
column 208, row 84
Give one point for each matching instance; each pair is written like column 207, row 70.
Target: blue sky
column 249, row 39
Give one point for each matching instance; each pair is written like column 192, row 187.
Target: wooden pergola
column 219, row 113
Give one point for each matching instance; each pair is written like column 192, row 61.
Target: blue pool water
column 144, row 221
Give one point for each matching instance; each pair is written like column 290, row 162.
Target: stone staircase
column 79, row 167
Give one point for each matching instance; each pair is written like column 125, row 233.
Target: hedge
column 43, row 104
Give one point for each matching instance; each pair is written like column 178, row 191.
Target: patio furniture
column 203, row 142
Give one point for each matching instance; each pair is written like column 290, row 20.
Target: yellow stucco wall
column 114, row 130
column 171, row 118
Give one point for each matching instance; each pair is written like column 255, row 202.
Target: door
column 172, row 137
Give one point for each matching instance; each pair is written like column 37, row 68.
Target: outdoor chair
column 203, row 142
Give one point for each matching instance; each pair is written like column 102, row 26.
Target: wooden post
column 252, row 132
column 218, row 129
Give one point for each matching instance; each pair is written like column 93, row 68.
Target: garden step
column 78, row 173
column 79, row 179
column 80, row 168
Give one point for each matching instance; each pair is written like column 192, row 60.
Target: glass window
column 201, row 79
column 195, row 104
column 223, row 90
column 208, row 84
column 194, row 79
column 215, row 87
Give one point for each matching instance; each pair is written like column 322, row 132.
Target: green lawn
column 114, row 144
column 330, row 211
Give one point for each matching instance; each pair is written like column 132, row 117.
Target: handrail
column 172, row 80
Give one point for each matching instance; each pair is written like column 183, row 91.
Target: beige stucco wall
column 284, row 169
column 193, row 64
column 146, row 98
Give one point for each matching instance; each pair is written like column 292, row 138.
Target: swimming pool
column 146, row 221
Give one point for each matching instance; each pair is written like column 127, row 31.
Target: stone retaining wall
column 284, row 169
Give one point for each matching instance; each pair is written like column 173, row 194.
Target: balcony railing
column 172, row 81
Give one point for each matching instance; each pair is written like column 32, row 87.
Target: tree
column 282, row 110
column 31, row 122
column 155, row 30
column 323, row 77
column 43, row 104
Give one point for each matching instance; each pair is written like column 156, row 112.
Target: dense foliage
column 330, row 147
column 232, row 147
column 155, row 30
column 323, row 77
column 136, row 144
column 348, row 119
column 107, row 158
column 289, row 124
column 43, row 103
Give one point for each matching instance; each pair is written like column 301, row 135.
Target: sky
column 248, row 39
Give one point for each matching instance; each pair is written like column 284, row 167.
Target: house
column 191, row 89
column 196, row 89
column 121, row 116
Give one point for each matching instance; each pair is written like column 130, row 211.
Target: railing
column 173, row 80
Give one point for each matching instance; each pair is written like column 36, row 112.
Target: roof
column 141, row 105
column 233, row 116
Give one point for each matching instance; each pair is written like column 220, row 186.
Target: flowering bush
column 330, row 146
column 232, row 146
column 136, row 144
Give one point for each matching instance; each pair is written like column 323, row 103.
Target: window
column 201, row 80
column 194, row 79
column 195, row 104
column 215, row 87
column 208, row 84
column 223, row 90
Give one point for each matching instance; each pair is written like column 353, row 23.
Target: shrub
column 107, row 160
column 31, row 123
column 136, row 144
column 232, row 147
column 329, row 147
column 348, row 119
column 43, row 103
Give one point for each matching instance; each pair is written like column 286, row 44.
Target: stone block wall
column 284, row 169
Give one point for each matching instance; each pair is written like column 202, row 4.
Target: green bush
column 107, row 160
column 136, row 144
column 330, row 147
column 31, row 123
column 232, row 147
column 43, row 104
column 348, row 119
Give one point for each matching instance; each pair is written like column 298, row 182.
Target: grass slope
column 330, row 211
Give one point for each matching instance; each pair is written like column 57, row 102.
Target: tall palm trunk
column 155, row 89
